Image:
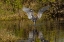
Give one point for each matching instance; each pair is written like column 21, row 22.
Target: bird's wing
column 42, row 10
column 28, row 11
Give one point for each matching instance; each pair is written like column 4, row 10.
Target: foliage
column 12, row 10
column 6, row 36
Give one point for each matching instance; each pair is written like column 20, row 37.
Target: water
column 52, row 32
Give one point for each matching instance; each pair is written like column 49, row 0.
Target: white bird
column 30, row 13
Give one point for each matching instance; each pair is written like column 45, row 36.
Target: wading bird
column 31, row 15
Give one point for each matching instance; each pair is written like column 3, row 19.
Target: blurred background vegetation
column 15, row 25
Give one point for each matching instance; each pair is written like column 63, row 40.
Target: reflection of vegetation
column 50, row 32
column 53, row 19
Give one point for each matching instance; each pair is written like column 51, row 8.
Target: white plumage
column 30, row 13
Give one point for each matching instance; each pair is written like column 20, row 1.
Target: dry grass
column 6, row 36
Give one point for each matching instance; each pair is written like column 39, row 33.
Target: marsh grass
column 6, row 36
